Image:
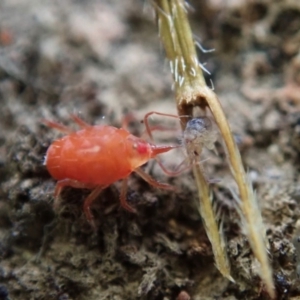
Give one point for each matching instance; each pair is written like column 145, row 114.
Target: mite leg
column 185, row 165
column 89, row 200
column 64, row 183
column 123, row 197
column 127, row 119
column 148, row 128
column 57, row 126
column 153, row 182
column 131, row 118
column 158, row 128
column 182, row 167
column 80, row 122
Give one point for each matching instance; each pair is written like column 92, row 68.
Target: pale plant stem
column 178, row 41
column 191, row 91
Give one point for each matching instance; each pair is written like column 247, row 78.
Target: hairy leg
column 57, row 126
column 80, row 122
column 146, row 121
column 64, row 183
column 153, row 182
column 88, row 202
column 123, row 200
column 182, row 167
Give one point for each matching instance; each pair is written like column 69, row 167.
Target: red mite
column 97, row 156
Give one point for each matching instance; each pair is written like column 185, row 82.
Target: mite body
column 200, row 132
column 97, row 156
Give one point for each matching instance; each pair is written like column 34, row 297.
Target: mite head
column 140, row 151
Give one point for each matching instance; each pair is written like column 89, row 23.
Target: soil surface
column 103, row 60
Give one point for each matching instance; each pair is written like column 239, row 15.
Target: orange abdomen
column 95, row 155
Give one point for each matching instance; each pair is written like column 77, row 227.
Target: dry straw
column 192, row 93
